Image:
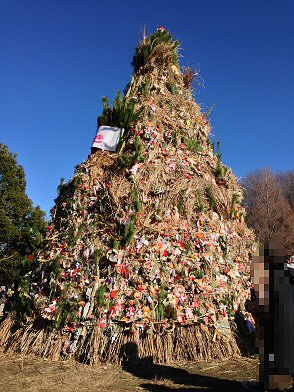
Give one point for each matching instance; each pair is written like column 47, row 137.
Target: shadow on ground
column 162, row 374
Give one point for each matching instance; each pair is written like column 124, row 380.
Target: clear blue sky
column 59, row 57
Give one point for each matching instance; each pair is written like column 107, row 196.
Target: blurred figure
column 273, row 280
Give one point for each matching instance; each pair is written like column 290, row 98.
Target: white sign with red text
column 107, row 138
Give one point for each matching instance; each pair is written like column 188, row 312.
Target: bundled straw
column 148, row 254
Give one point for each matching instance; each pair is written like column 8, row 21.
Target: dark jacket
column 276, row 322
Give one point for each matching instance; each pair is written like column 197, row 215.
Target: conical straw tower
column 148, row 254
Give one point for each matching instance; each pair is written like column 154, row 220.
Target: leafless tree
column 269, row 212
column 286, row 181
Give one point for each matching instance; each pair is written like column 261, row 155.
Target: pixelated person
column 273, row 280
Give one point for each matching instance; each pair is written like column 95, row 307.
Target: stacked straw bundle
column 148, row 254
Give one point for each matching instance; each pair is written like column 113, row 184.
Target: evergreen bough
column 147, row 48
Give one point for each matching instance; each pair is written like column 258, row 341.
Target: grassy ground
column 31, row 374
